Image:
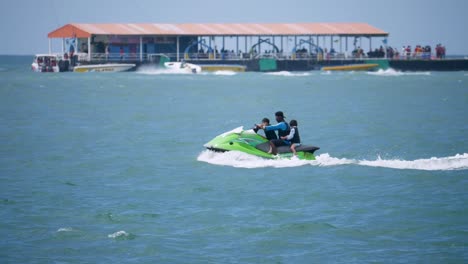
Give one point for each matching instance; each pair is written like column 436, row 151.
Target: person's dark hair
column 293, row 122
column 280, row 113
column 266, row 120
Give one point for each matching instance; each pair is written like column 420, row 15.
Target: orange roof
column 215, row 29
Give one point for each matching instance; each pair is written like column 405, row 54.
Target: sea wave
column 243, row 160
column 65, row 229
column 392, row 72
column 121, row 235
column 288, row 74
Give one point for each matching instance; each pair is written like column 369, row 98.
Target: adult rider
column 283, row 130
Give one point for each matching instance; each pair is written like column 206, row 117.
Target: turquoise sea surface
column 111, row 168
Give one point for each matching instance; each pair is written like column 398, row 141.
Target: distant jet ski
column 248, row 141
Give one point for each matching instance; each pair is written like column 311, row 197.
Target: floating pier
column 235, row 46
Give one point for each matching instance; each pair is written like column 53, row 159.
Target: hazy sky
column 24, row 24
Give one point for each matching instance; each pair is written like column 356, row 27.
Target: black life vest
column 296, row 138
column 283, row 133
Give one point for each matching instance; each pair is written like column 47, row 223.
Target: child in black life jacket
column 293, row 139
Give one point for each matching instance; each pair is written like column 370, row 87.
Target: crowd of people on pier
column 407, row 52
column 104, row 52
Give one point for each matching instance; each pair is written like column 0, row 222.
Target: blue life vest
column 283, row 133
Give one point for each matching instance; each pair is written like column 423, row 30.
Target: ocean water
column 110, row 168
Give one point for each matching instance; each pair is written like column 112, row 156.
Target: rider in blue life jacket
column 283, row 130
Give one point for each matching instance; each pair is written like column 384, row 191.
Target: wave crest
column 393, row 72
column 121, row 235
column 65, row 229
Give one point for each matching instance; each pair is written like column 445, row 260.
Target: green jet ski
column 252, row 143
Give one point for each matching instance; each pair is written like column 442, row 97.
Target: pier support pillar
column 177, row 56
column 282, row 50
column 50, row 46
column 346, row 47
column 141, row 48
column 259, row 45
column 245, row 38
column 89, row 48
column 341, row 46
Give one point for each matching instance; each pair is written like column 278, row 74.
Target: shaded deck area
column 258, row 46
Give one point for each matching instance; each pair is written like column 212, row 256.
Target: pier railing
column 227, row 56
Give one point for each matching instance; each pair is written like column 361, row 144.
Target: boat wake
column 151, row 70
column 392, row 72
column 227, row 73
column 243, row 160
column 288, row 74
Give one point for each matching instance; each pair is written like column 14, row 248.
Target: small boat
column 183, row 66
column 45, row 63
column 351, row 67
column 223, row 67
column 248, row 141
column 109, row 67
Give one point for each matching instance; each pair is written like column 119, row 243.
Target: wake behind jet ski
column 249, row 142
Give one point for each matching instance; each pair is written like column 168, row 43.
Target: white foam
column 228, row 73
column 151, row 70
column 392, row 72
column 327, row 160
column 65, row 229
column 243, row 160
column 119, row 234
column 288, row 74
column 457, row 162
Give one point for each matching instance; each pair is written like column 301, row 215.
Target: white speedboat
column 45, row 63
column 109, row 67
column 183, row 66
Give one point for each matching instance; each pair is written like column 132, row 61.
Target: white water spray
column 243, row 160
